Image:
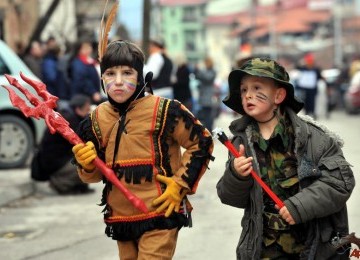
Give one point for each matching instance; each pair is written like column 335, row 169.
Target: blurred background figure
column 52, row 161
column 181, row 86
column 34, row 58
column 85, row 78
column 307, row 83
column 322, row 102
column 206, row 78
column 162, row 68
column 52, row 76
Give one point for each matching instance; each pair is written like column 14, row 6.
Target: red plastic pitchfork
column 56, row 123
column 219, row 133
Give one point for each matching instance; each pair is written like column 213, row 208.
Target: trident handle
column 109, row 174
column 219, row 134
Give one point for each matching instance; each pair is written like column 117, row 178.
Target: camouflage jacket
column 325, row 179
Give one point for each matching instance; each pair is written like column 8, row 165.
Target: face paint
column 130, row 83
column 108, row 84
column 261, row 97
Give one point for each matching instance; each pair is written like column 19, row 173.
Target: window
column 189, row 14
column 190, row 37
column 3, row 68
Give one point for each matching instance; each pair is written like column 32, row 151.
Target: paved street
column 53, row 227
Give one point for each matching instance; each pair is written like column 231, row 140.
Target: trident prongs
column 40, row 88
column 41, row 108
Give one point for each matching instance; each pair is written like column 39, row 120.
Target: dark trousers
column 206, row 117
column 309, row 96
column 66, row 180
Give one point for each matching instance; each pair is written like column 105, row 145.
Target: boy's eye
column 109, row 73
column 128, row 72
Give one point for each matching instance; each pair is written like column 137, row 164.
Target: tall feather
column 105, row 29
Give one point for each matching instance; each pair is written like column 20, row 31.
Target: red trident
column 219, row 134
column 56, row 123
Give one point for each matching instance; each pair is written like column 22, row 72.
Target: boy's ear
column 280, row 95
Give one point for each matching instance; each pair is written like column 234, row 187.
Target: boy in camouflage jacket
column 300, row 161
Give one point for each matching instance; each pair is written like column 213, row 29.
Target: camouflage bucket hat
column 260, row 67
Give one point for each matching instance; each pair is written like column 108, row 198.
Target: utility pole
column 252, row 40
column 338, row 52
column 41, row 24
column 146, row 26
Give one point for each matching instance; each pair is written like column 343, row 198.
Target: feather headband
column 105, row 28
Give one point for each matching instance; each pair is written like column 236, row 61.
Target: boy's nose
column 118, row 79
column 248, row 95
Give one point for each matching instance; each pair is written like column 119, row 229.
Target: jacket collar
column 301, row 130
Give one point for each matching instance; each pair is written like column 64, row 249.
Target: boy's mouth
column 119, row 91
column 250, row 105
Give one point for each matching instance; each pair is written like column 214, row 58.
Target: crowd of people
column 66, row 72
column 160, row 147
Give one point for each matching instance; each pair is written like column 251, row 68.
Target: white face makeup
column 120, row 82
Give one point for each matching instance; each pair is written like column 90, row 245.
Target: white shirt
column 154, row 64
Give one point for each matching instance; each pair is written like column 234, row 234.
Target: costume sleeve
column 86, row 134
column 331, row 188
column 233, row 189
column 198, row 145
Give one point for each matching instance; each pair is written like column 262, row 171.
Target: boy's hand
column 171, row 198
column 85, row 155
column 243, row 165
column 285, row 214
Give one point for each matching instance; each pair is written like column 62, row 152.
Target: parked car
column 18, row 134
column 352, row 100
column 333, row 91
column 352, row 95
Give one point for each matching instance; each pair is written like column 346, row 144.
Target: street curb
column 16, row 192
column 15, row 184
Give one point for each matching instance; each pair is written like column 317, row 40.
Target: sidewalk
column 15, row 184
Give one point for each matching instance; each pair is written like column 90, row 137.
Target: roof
column 294, row 20
column 351, row 23
column 181, row 2
column 222, row 19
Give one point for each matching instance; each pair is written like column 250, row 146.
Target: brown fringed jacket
column 155, row 136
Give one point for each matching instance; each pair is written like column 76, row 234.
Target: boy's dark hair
column 124, row 53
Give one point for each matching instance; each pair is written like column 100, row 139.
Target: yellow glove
column 171, row 199
column 85, row 155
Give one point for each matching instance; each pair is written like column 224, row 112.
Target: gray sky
column 130, row 14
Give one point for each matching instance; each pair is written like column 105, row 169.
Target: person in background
column 34, row 58
column 301, row 161
column 84, row 77
column 181, row 86
column 52, row 76
column 53, row 160
column 161, row 66
column 307, row 83
column 206, row 77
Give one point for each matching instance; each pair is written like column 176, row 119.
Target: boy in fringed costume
column 156, row 147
